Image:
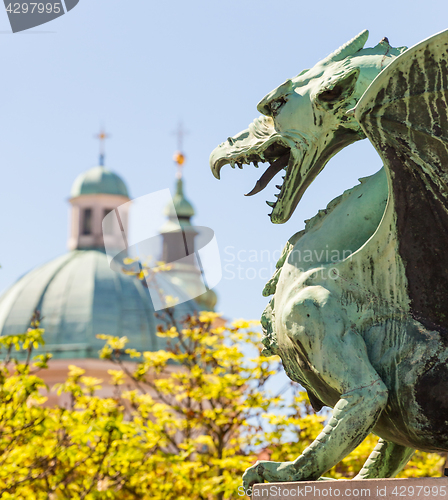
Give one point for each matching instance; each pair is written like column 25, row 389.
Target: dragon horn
column 349, row 48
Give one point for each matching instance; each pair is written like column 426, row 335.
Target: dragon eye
column 332, row 94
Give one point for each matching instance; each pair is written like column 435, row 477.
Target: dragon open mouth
column 270, row 173
column 292, row 153
column 276, row 153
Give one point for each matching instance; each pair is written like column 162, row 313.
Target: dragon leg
column 386, row 460
column 338, row 354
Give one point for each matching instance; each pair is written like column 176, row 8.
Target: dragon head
column 306, row 121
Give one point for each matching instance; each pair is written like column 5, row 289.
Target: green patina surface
column 99, row 180
column 359, row 310
column 79, row 296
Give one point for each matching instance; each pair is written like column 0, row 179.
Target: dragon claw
column 253, row 475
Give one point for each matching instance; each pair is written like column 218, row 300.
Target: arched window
column 108, row 223
column 87, row 221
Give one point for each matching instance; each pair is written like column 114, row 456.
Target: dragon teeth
column 255, row 164
column 276, row 195
column 278, row 186
column 232, row 163
column 239, row 165
column 271, row 203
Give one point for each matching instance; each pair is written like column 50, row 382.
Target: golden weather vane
column 179, row 157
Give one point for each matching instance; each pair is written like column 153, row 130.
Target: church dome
column 99, row 180
column 79, row 296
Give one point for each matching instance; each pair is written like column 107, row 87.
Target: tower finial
column 179, row 157
column 102, row 136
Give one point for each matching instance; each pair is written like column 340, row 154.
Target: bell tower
column 178, row 237
column 94, row 194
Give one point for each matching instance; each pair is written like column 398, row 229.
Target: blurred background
column 140, row 68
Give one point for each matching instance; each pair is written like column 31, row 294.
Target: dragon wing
column 404, row 113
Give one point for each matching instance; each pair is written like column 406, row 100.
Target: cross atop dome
column 102, row 136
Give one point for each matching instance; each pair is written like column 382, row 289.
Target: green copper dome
column 99, row 180
column 79, row 296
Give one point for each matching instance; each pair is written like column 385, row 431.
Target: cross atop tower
column 181, row 132
column 102, row 136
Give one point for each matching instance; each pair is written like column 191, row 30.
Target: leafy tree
column 184, row 424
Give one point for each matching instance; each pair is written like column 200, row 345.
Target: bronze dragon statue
column 364, row 327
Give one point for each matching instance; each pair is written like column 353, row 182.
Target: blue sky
column 138, row 68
